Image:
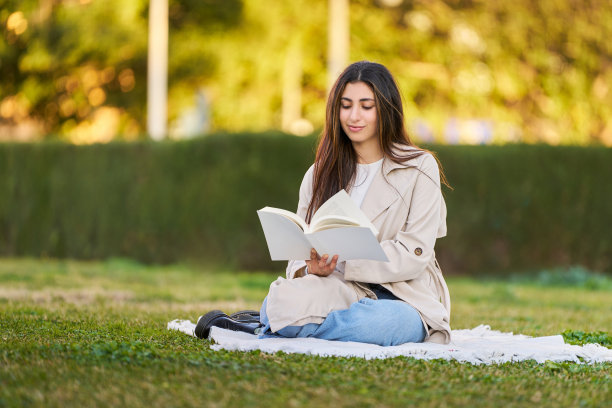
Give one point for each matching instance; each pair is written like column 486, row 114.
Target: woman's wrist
column 303, row 271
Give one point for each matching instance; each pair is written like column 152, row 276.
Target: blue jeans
column 386, row 322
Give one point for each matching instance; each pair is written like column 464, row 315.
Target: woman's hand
column 317, row 265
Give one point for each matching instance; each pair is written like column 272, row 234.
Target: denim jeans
column 387, row 321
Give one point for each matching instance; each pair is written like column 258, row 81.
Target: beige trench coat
column 407, row 207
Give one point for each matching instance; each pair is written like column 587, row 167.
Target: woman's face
column 358, row 115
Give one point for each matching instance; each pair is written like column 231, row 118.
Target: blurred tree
column 534, row 71
column 71, row 63
column 78, row 67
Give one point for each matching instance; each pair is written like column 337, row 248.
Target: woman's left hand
column 317, row 265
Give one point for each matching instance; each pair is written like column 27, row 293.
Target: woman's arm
column 412, row 248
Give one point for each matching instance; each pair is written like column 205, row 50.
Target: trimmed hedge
column 528, row 206
column 514, row 207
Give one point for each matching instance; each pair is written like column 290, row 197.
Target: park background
column 513, row 96
column 110, row 228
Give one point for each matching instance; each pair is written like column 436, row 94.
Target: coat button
column 418, row 251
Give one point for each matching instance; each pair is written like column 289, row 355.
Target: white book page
column 288, row 214
column 342, row 204
column 286, row 240
column 332, row 221
column 348, row 243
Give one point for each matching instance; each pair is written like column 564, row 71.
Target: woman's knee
column 403, row 321
column 308, row 299
column 391, row 322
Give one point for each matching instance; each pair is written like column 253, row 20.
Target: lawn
column 94, row 334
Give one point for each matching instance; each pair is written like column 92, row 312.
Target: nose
column 354, row 114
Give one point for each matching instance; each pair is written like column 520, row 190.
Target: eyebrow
column 361, row 100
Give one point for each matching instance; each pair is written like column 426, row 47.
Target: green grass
column 94, row 334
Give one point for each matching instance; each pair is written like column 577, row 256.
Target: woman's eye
column 345, row 106
column 368, row 107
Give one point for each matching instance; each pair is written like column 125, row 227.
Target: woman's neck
column 368, row 152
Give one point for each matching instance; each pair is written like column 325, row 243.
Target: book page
column 348, row 243
column 332, row 221
column 342, row 204
column 287, row 214
column 286, row 240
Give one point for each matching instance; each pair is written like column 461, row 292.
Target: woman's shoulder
column 310, row 170
column 309, row 174
column 412, row 156
column 416, row 159
column 307, row 181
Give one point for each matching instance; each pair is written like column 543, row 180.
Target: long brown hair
column 336, row 160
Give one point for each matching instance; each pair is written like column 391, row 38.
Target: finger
column 323, row 261
column 333, row 263
column 313, row 254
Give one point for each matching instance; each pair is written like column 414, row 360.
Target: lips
column 355, row 128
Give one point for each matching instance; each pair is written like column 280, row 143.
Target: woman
column 365, row 150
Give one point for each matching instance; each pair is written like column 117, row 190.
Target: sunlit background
column 471, row 71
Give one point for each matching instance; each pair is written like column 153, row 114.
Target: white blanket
column 479, row 345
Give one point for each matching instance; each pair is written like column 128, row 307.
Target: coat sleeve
column 412, row 248
column 303, row 202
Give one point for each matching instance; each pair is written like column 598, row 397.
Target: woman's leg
column 296, row 302
column 384, row 322
column 330, row 308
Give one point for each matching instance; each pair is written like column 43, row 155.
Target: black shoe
column 217, row 318
column 246, row 316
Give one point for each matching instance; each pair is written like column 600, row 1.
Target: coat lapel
column 381, row 194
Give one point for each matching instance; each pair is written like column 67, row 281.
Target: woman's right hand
column 317, row 265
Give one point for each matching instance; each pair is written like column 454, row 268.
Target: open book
column 338, row 227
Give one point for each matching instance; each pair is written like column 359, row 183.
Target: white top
column 363, row 180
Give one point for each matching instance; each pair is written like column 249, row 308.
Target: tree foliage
column 531, row 71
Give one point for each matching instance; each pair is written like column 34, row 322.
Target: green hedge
column 526, row 206
column 514, row 207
